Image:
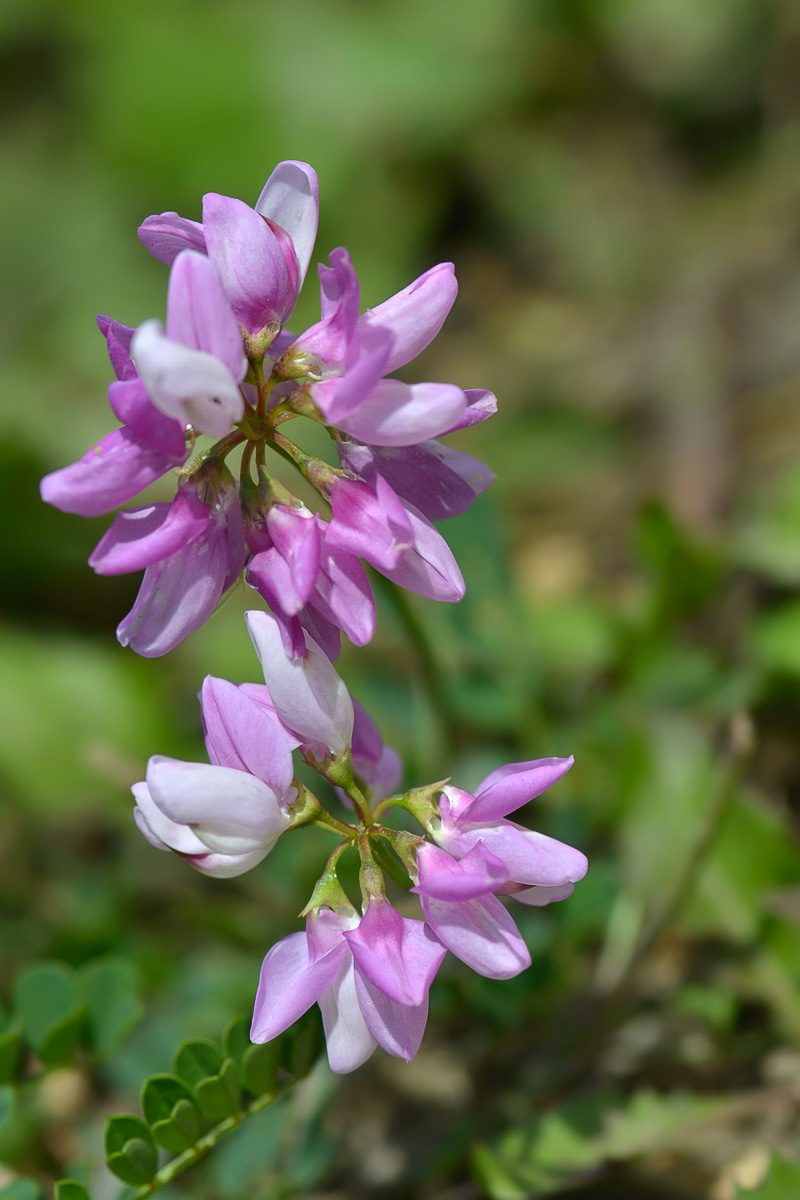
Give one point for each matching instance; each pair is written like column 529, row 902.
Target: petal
column 529, row 857
column 113, row 471
column 165, row 236
column 295, row 533
column 176, row 596
column 132, row 405
column 428, row 568
column 243, row 734
column 250, row 260
column 400, row 414
column 415, row 315
column 480, row 405
column 290, row 198
column 189, row 385
column 511, row 786
column 479, row 932
column 118, row 339
column 398, row 1028
column 349, row 1041
column 140, row 537
column 199, row 315
column 399, row 955
column 369, row 521
column 440, row 481
column 539, row 896
column 339, row 398
column 344, row 597
column 330, row 338
column 309, row 696
column 446, row 878
column 204, row 795
column 289, row 984
column 170, row 835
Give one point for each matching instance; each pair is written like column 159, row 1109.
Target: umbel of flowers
column 226, row 366
column 367, row 966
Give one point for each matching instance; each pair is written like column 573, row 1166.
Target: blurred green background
column 618, row 184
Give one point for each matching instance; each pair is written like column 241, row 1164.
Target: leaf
column 300, row 1046
column 220, row 1096
column 130, row 1149
column 70, row 1189
column 258, row 1064
column 110, row 990
column 258, row 1070
column 47, row 1000
column 782, row 1181
column 171, row 1112
column 197, row 1060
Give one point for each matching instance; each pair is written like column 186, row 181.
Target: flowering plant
column 226, row 366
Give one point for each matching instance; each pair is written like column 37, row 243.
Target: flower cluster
column 225, row 365
column 370, row 969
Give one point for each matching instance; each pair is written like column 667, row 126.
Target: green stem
column 211, row 1139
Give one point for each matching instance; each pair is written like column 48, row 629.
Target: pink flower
column 369, row 975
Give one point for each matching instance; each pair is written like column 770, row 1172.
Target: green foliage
column 61, row 1014
column 171, row 1112
column 781, row 1182
column 257, row 1064
column 564, row 1146
column 22, row 1189
column 130, row 1150
column 47, row 999
column 202, row 1103
column 70, row 1189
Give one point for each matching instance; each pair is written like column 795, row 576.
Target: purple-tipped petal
column 440, row 481
column 398, row 1028
column 369, row 521
column 165, row 236
column 480, row 405
column 330, row 338
column 250, row 260
column 510, row 786
column 132, row 405
column 400, row 414
column 199, row 315
column 339, row 399
column 428, row 566
column 528, row 857
column 140, row 537
column 399, row 955
column 343, row 596
column 190, row 385
column 243, row 734
column 290, row 198
column 177, row 596
column 479, row 932
column 113, row 471
column 118, row 339
column 442, row 877
column 415, row 315
column 289, row 984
